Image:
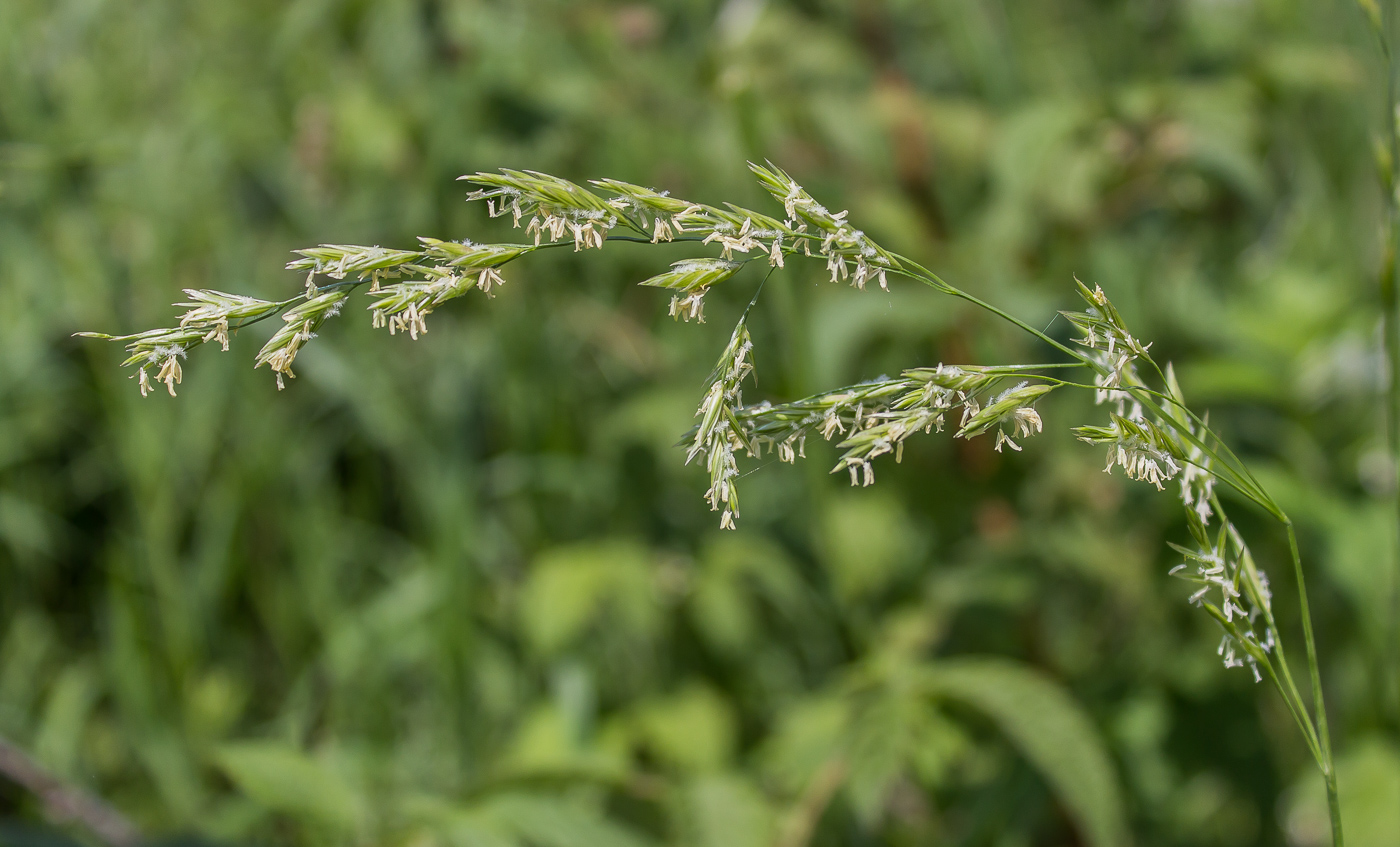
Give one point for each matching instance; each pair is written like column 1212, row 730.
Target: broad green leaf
column 27, row 644
column 287, row 780
column 1357, row 530
column 467, row 832
column 896, row 735
column 1309, row 69
column 457, row 825
column 1043, row 721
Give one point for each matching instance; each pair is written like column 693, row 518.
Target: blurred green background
column 463, row 591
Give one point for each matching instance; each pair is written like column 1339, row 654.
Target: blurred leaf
column 571, row 588
column 60, row 736
column 24, row 527
column 809, row 733
column 215, row 701
column 545, row 821
column 692, row 730
column 1357, row 532
column 1051, row 731
column 867, row 540
column 1309, row 69
column 1368, row 782
column 461, row 825
column 883, row 738
column 285, row 779
column 1220, row 128
column 960, row 129
column 1040, row 163
column 389, row 626
column 846, row 323
column 726, row 810
column 736, row 579
column 549, row 742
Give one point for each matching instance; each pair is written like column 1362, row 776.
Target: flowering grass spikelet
column 666, row 212
column 159, row 348
column 556, row 206
column 839, row 242
column 719, row 433
column 875, row 418
column 692, row 279
column 299, row 326
column 340, row 260
column 1011, row 407
column 1143, row 449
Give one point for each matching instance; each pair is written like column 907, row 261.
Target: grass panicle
column 1150, row 431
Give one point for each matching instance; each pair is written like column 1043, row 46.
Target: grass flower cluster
column 1150, row 432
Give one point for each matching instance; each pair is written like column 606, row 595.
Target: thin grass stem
column 1319, row 706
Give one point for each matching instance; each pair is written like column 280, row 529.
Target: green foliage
column 284, row 779
column 1049, row 728
column 1370, row 778
column 570, row 590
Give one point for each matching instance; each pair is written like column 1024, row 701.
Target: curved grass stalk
column 1314, row 729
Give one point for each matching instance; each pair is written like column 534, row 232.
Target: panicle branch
column 1156, row 440
column 208, row 319
column 338, row 260
column 876, row 417
column 692, row 278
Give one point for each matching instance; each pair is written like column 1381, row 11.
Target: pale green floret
column 299, row 326
column 635, row 196
column 638, row 203
column 692, row 278
column 465, row 254
column 557, row 207
column 213, row 310
column 719, row 433
column 206, row 307
column 1002, row 409
column 339, row 260
column 1144, row 449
